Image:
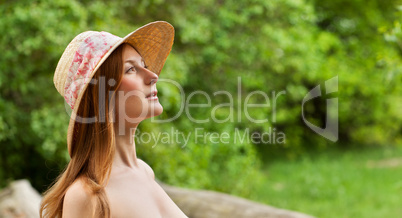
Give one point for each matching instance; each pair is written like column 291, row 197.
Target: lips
column 152, row 94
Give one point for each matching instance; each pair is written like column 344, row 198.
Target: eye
column 133, row 69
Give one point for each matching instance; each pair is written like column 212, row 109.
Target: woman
column 109, row 83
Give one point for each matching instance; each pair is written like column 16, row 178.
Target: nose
column 152, row 78
column 153, row 81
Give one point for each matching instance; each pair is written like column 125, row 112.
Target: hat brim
column 152, row 41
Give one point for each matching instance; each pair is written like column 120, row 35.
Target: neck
column 125, row 155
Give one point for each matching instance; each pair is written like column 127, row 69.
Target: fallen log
column 210, row 204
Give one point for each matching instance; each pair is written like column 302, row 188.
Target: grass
column 337, row 184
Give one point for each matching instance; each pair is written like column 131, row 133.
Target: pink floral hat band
column 86, row 59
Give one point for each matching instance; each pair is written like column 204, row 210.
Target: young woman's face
column 136, row 97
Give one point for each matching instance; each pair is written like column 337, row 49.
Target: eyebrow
column 134, row 61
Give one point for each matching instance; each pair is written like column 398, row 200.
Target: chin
column 156, row 110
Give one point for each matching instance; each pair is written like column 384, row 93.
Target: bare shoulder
column 147, row 168
column 77, row 201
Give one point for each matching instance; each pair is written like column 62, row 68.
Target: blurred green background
column 276, row 45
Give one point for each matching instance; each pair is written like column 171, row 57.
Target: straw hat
column 87, row 51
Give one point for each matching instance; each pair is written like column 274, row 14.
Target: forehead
column 130, row 54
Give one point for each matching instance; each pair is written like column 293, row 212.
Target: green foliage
column 33, row 120
column 282, row 45
column 357, row 183
column 227, row 167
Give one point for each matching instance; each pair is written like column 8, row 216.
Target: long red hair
column 93, row 145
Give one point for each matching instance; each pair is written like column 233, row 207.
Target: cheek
column 130, row 97
column 129, row 84
column 130, row 92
